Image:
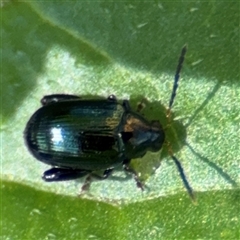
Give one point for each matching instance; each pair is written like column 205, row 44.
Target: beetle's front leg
column 63, row 174
column 57, row 98
column 127, row 168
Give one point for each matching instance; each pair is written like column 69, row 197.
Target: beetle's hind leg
column 92, row 176
column 57, row 98
column 63, row 174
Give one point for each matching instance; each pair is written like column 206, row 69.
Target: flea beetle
column 80, row 137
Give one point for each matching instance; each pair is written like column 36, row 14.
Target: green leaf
column 129, row 49
column 33, row 214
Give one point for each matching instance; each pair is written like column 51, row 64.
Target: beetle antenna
column 176, row 78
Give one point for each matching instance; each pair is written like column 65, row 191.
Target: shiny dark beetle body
column 80, row 137
column 88, row 135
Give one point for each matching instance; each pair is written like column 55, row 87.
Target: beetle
column 80, row 137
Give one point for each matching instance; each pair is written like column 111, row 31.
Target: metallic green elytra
column 79, row 137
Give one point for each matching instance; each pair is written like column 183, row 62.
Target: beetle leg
column 57, row 98
column 112, row 98
column 106, row 174
column 89, row 178
column 136, row 178
column 63, row 174
column 86, row 184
